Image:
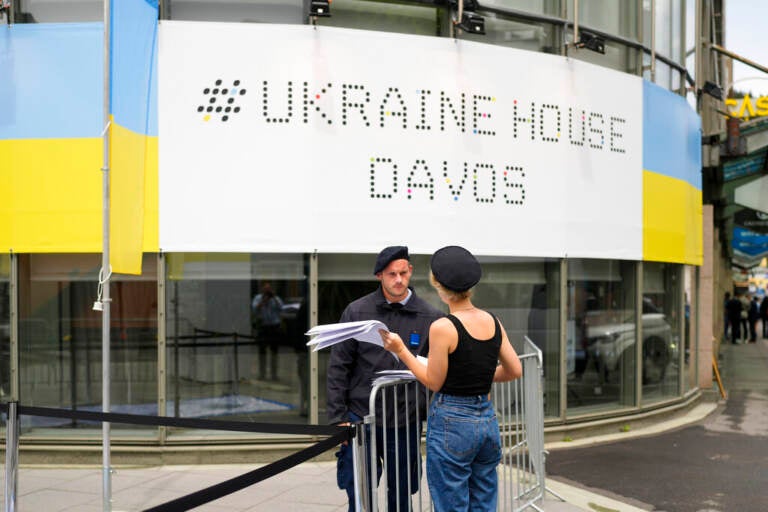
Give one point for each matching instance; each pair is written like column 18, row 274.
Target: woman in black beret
column 465, row 349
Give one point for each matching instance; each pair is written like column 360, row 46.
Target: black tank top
column 472, row 365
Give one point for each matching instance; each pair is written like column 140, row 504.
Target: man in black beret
column 352, row 368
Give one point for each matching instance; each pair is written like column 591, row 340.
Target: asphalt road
column 719, row 464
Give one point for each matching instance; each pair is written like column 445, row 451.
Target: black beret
column 455, row 268
column 388, row 255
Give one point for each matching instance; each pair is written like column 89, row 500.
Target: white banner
column 291, row 138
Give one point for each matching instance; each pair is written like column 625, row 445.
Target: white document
column 330, row 334
column 389, row 375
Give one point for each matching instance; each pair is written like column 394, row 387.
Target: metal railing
column 519, row 408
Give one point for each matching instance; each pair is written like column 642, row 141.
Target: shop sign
column 752, row 219
column 747, row 107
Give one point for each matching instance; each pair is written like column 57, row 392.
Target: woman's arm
column 441, row 335
column 510, row 367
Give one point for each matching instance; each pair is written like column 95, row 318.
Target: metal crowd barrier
column 519, row 408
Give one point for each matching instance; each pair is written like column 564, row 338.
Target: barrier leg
column 11, row 457
column 360, row 468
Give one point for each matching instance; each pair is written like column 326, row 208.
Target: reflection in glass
column 504, row 30
column 601, row 334
column 525, row 295
column 383, row 17
column 662, row 293
column 617, row 56
column 58, row 11
column 60, row 338
column 5, row 326
column 548, row 7
column 619, row 18
column 235, row 336
column 690, row 327
column 250, row 11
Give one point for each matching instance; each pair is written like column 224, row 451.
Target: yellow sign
column 746, row 107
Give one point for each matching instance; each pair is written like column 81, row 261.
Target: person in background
column 726, row 322
column 764, row 314
column 353, row 365
column 267, row 322
column 753, row 316
column 734, row 308
column 745, row 301
column 463, row 439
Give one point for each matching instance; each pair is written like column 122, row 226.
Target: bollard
column 11, row 457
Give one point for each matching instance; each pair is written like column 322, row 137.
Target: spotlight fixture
column 713, row 90
column 320, row 8
column 472, row 23
column 591, row 42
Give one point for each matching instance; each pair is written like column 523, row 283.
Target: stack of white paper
column 389, row 375
column 330, row 334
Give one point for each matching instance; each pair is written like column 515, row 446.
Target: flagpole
column 105, row 274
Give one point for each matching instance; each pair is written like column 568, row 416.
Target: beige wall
column 710, row 310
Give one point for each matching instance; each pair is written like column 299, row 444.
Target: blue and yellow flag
column 133, row 125
column 51, row 120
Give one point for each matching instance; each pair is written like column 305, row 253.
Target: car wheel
column 655, row 360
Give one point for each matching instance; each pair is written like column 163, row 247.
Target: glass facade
column 525, row 295
column 619, row 18
column 601, row 335
column 214, row 334
column 664, row 29
column 235, row 342
column 234, row 331
column 691, row 328
column 60, row 337
column 662, row 330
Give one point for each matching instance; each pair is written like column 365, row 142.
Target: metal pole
column 653, row 41
column 575, row 22
column 313, row 357
column 162, row 356
column 105, row 274
column 736, row 56
column 11, row 457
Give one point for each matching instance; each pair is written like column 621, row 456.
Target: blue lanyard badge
column 414, row 339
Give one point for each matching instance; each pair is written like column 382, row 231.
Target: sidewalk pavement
column 309, row 487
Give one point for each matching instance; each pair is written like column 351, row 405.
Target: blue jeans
column 405, row 451
column 463, row 450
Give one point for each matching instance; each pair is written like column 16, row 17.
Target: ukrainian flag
column 133, row 127
column 672, row 200
column 51, row 122
column 51, row 136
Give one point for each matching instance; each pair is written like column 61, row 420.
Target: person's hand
column 392, row 341
column 345, row 424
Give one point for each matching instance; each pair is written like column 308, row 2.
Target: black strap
column 240, row 482
column 337, row 436
column 138, row 419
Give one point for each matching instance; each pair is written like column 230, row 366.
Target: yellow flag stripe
column 672, row 220
column 131, row 155
column 51, row 196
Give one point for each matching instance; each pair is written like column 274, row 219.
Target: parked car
column 608, row 343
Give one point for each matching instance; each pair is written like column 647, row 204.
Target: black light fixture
column 469, row 22
column 591, row 42
column 472, row 23
column 713, row 90
column 319, row 8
